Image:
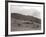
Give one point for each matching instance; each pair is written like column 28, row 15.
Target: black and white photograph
column 24, row 18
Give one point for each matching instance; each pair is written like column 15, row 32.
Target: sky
column 27, row 10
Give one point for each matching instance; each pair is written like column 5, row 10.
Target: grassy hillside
column 23, row 23
column 26, row 18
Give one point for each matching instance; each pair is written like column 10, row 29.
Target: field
column 24, row 23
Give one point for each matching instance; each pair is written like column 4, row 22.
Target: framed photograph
column 24, row 18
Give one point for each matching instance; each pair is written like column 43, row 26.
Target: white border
column 23, row 32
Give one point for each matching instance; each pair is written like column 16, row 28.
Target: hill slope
column 24, row 17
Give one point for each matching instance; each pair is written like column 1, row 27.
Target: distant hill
column 25, row 17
